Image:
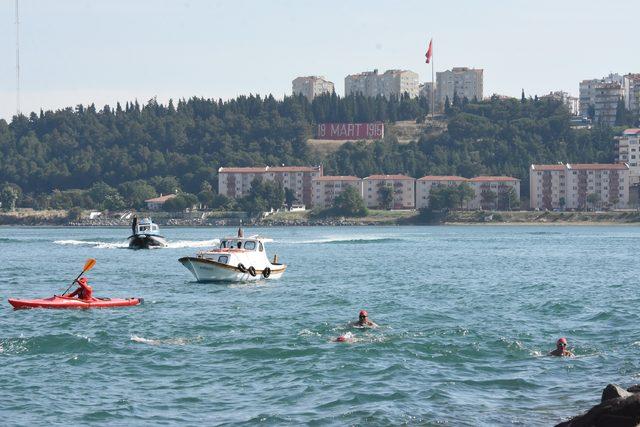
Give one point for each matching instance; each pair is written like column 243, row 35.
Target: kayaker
column 363, row 321
column 561, row 349
column 84, row 291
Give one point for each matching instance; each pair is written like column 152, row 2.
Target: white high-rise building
column 588, row 91
column 402, row 187
column 236, row 182
column 327, row 188
column 311, row 86
column 629, row 152
column 579, row 186
column 631, row 92
column 391, row 82
column 463, row 81
column 605, row 106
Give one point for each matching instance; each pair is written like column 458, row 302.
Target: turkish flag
column 429, row 53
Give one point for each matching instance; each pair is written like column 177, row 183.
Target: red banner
column 350, row 131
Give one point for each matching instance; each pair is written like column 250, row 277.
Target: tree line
column 118, row 156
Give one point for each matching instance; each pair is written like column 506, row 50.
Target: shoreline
column 59, row 218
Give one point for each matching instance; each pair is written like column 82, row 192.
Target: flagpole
column 433, row 86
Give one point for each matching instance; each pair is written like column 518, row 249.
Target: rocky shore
column 306, row 218
column 618, row 407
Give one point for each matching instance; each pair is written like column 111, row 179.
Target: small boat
column 64, row 302
column 146, row 235
column 237, row 259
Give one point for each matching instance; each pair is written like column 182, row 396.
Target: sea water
column 467, row 315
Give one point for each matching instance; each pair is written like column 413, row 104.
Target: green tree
column 136, row 192
column 222, row 202
column 289, row 197
column 465, row 194
column 593, row 199
column 263, row 196
column 113, row 202
column 166, row 184
column 102, row 194
column 8, row 197
column 488, row 199
column 206, row 198
column 508, row 199
column 349, row 203
column 385, row 196
column 180, row 203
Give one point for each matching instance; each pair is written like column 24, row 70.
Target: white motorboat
column 145, row 235
column 237, row 259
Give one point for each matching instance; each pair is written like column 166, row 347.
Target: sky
column 88, row 51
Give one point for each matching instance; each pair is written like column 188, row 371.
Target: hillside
column 135, row 151
column 404, row 131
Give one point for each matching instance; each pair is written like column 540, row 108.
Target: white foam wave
column 338, row 239
column 93, row 244
column 169, row 341
column 124, row 244
column 193, row 243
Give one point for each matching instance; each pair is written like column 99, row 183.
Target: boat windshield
column 249, row 245
column 147, row 228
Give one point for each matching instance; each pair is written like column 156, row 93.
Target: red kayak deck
column 60, row 302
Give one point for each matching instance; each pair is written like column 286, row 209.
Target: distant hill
column 182, row 145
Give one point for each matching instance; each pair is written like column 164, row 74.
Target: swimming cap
column 364, row 313
column 562, row 340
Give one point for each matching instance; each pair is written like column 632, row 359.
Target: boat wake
column 347, row 240
column 193, row 243
column 93, row 244
column 124, row 244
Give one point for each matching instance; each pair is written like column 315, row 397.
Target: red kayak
column 57, row 301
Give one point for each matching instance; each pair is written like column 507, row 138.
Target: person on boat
column 561, row 349
column 84, row 291
column 363, row 321
column 134, row 224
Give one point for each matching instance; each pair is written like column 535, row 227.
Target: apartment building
column 426, row 183
column 587, row 97
column 628, row 146
column 605, row 107
column 311, row 86
column 463, row 81
column 579, row 186
column 631, row 92
column 236, row 182
column 403, row 188
column 391, row 82
column 492, row 192
column 327, row 188
column 571, row 102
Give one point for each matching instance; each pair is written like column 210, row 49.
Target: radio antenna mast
column 17, row 60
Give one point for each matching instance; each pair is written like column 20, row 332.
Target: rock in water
column 615, row 412
column 634, row 388
column 613, row 391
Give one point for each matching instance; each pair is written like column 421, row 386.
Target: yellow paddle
column 87, row 266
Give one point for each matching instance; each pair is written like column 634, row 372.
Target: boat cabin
column 253, row 243
column 145, row 226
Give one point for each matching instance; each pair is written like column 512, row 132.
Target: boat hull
column 205, row 270
column 60, row 302
column 146, row 241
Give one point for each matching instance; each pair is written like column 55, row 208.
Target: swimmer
column 363, row 321
column 561, row 349
column 347, row 337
